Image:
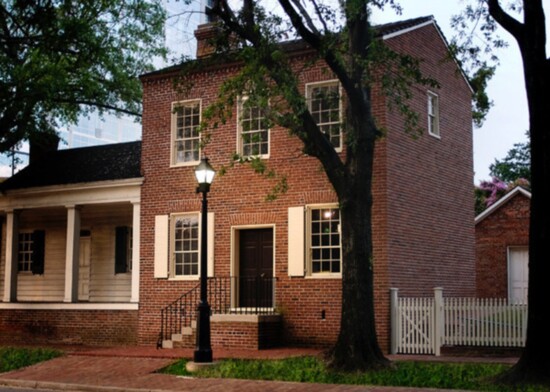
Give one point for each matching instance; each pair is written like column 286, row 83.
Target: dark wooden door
column 256, row 268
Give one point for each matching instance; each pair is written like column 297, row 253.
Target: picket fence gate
column 423, row 325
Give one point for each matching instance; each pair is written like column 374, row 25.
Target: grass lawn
column 12, row 358
column 310, row 369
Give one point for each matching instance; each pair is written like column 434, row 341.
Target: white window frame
column 174, row 140
column 240, row 139
column 309, row 242
column 434, row 128
column 173, row 219
column 333, row 82
column 28, row 251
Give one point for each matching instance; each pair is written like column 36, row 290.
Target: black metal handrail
column 226, row 295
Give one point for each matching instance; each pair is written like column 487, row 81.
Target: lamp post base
column 203, row 353
column 193, row 367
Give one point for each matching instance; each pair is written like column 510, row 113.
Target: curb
column 57, row 386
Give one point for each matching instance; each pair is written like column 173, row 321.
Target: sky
column 507, row 120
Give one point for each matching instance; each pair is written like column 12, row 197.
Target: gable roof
column 502, row 201
column 389, row 30
column 80, row 165
column 383, row 31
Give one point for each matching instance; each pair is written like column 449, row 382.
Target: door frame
column 235, row 254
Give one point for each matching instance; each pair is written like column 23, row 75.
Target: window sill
column 184, row 278
column 185, row 164
column 324, row 276
column 435, row 135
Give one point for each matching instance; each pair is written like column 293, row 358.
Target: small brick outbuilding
column 502, row 253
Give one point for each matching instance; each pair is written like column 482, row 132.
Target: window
column 253, row 130
column 123, row 250
column 325, row 107
column 185, row 249
column 324, row 240
column 186, row 117
column 30, row 252
column 433, row 114
column 25, row 252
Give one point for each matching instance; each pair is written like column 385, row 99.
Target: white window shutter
column 210, row 261
column 296, row 234
column 161, row 246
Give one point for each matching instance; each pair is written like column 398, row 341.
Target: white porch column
column 134, row 297
column 10, row 270
column 72, row 254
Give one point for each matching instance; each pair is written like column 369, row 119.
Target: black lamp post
column 203, row 353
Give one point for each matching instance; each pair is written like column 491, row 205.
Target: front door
column 84, row 269
column 256, row 268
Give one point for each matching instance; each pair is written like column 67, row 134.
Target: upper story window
column 253, row 130
column 325, row 255
column 186, row 118
column 325, row 106
column 433, row 114
column 185, row 245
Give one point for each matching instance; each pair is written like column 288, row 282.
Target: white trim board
column 500, row 202
column 69, row 306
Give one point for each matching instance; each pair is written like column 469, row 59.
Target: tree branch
column 100, row 105
column 316, row 42
column 510, row 24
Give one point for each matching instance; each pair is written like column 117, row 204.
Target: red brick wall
column 505, row 227
column 430, row 181
column 97, row 327
column 238, row 198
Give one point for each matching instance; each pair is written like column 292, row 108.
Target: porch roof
column 80, row 165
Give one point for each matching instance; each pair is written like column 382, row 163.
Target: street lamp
column 203, row 352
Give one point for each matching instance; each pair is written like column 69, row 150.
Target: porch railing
column 226, row 295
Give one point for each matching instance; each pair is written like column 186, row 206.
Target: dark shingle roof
column 80, row 165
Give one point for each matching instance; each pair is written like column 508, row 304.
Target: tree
column 354, row 56
column 61, row 58
column 529, row 31
column 516, row 164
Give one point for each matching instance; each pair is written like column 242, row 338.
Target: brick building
column 423, row 204
column 274, row 265
column 502, row 247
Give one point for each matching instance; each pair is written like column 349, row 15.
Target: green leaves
column 515, row 165
column 59, row 59
column 12, row 358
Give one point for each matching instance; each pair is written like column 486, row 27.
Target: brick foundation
column 89, row 327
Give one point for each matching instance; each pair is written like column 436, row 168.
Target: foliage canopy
column 63, row 58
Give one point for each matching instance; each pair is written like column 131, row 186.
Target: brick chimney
column 40, row 144
column 205, row 35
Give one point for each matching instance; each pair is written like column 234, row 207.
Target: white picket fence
column 423, row 325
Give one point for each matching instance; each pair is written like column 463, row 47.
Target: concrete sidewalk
column 133, row 369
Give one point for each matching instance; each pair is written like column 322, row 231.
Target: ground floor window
column 324, row 240
column 185, row 232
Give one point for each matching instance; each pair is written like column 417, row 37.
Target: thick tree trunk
column 357, row 346
column 534, row 364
